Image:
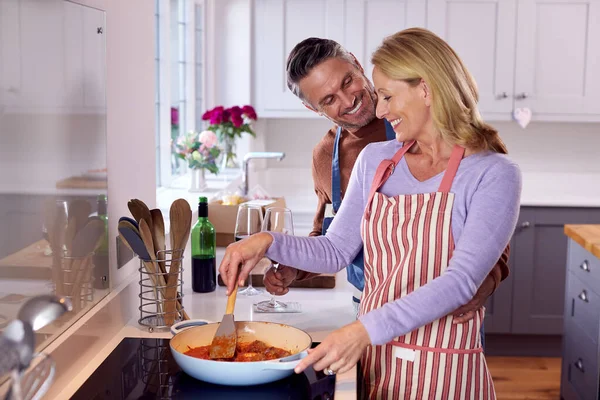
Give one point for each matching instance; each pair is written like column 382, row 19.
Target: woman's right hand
column 245, row 253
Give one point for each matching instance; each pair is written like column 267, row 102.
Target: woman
column 434, row 209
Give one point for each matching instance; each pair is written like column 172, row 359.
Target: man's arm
column 322, row 201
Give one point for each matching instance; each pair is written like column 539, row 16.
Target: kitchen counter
column 98, row 333
column 587, row 236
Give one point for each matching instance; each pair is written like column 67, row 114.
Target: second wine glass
column 249, row 221
column 277, row 219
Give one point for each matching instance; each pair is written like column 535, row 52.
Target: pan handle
column 289, row 363
column 180, row 326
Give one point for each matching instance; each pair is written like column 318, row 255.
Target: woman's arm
column 492, row 216
column 334, row 251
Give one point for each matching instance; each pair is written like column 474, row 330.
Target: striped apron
column 407, row 243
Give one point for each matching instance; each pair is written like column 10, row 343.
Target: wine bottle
column 204, row 239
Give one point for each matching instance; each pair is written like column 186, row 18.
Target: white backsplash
column 541, row 147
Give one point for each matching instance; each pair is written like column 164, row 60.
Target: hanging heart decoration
column 522, row 116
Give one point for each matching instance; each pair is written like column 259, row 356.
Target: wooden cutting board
column 28, row 263
column 78, row 182
column 325, row 281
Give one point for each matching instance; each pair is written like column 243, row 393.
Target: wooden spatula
column 225, row 340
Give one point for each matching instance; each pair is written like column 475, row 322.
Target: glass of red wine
column 249, row 221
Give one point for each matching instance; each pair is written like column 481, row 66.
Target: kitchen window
column 180, row 77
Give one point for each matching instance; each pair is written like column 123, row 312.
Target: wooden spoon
column 180, row 215
column 158, row 237
column 79, row 211
column 140, row 211
column 225, row 340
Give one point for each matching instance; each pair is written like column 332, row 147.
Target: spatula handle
column 231, row 300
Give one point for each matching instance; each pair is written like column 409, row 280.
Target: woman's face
column 406, row 107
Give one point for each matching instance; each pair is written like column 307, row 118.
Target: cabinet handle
column 584, row 266
column 525, row 225
column 521, row 96
column 502, row 96
column 583, row 296
column 579, row 365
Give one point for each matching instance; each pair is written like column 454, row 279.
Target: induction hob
column 139, row 369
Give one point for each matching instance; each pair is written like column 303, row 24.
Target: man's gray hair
column 308, row 54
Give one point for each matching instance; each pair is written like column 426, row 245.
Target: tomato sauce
column 244, row 352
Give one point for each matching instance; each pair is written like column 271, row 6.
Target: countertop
column 588, row 236
column 322, row 311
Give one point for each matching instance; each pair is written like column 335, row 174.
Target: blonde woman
column 434, row 209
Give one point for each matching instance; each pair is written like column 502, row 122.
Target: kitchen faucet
column 255, row 155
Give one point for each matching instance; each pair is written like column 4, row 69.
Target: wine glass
column 277, row 219
column 249, row 221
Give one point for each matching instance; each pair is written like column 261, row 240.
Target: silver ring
column 329, row 371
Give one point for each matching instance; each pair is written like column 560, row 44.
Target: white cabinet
column 51, row 57
column 540, row 54
column 557, row 72
column 359, row 25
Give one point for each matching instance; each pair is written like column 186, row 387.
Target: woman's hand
column 247, row 253
column 340, row 351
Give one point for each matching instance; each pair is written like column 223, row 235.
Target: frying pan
column 195, row 333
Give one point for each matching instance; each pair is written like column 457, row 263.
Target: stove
column 140, row 369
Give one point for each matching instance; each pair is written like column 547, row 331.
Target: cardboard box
column 223, row 217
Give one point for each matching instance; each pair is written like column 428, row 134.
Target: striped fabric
column 407, row 243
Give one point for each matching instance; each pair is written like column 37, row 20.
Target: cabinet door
column 10, row 72
column 279, row 26
column 368, row 22
column 498, row 308
column 558, row 53
column 540, row 267
column 482, row 32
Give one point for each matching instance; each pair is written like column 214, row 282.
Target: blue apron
column 355, row 270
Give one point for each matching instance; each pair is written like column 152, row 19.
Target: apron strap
column 386, row 169
column 455, row 158
column 336, row 185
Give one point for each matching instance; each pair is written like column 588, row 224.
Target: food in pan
column 244, row 352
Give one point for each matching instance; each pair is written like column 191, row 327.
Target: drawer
column 581, row 363
column 583, row 307
column 584, row 265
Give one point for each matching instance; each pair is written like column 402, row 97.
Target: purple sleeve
column 334, row 251
column 492, row 216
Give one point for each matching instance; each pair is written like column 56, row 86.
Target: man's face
column 340, row 91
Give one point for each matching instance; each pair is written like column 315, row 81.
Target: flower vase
column 198, row 176
column 229, row 155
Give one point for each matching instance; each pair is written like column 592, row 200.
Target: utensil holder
column 76, row 280
column 155, row 285
column 156, row 365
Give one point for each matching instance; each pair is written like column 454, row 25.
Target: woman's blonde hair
column 414, row 54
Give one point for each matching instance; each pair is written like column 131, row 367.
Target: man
column 331, row 82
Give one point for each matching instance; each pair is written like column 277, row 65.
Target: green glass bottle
column 204, row 240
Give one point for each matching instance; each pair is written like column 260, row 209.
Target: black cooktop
column 139, row 369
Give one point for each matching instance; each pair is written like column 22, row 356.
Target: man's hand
column 466, row 312
column 277, row 282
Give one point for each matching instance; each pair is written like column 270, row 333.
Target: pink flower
column 250, row 112
column 208, row 139
column 237, row 120
column 206, row 116
column 174, row 116
column 235, row 110
column 216, row 117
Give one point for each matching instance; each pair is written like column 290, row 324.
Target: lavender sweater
column 487, row 190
